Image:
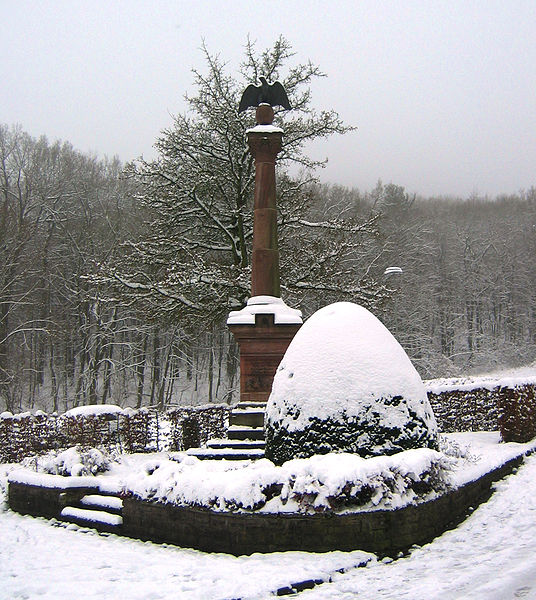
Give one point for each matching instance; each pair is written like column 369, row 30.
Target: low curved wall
column 40, row 501
column 384, row 532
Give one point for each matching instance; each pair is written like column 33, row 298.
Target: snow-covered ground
column 492, row 555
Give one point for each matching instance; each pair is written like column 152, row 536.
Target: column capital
column 265, row 145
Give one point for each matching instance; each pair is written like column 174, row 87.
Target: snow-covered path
column 492, row 555
column 39, row 561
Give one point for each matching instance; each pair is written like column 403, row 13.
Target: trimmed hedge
column 510, row 409
column 517, row 413
column 132, row 431
column 465, row 410
column 193, row 426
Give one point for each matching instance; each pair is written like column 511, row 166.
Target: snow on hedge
column 332, row 482
column 510, row 378
column 91, row 410
column 346, row 384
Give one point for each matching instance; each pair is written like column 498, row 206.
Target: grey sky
column 443, row 93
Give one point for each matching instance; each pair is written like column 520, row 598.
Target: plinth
column 263, row 331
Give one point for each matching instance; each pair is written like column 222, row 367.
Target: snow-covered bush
column 346, row 385
column 74, row 461
column 328, row 483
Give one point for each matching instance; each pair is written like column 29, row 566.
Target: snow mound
column 346, row 385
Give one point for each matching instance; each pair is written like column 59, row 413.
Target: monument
column 266, row 326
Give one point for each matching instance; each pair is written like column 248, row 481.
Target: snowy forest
column 116, row 279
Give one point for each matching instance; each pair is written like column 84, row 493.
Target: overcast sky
column 443, row 93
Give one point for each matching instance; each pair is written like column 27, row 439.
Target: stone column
column 264, row 142
column 266, row 326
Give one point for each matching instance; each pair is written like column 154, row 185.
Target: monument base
column 263, row 331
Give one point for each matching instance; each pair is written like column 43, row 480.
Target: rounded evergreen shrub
column 346, row 385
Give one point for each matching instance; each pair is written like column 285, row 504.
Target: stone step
column 95, row 519
column 250, row 417
column 236, row 444
column 226, row 453
column 240, row 432
column 101, row 502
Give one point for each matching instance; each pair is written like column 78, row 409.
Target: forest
column 116, row 279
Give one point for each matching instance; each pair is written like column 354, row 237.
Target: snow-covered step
column 104, row 503
column 237, row 444
column 226, row 453
column 244, row 405
column 240, row 432
column 97, row 519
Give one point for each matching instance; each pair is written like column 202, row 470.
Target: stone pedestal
column 262, row 347
column 263, row 331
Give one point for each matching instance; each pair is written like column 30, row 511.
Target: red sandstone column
column 266, row 326
column 264, row 142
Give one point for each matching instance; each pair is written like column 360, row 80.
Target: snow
column 93, row 410
column 110, row 502
column 243, row 428
column 265, row 305
column 479, row 452
column 243, row 485
column 96, row 516
column 225, row 451
column 264, row 129
column 215, row 442
column 51, row 481
column 301, row 485
column 72, row 461
column 491, row 556
column 239, row 485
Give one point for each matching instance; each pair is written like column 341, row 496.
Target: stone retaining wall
column 383, row 532
column 40, row 501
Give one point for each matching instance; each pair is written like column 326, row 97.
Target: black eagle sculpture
column 266, row 93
